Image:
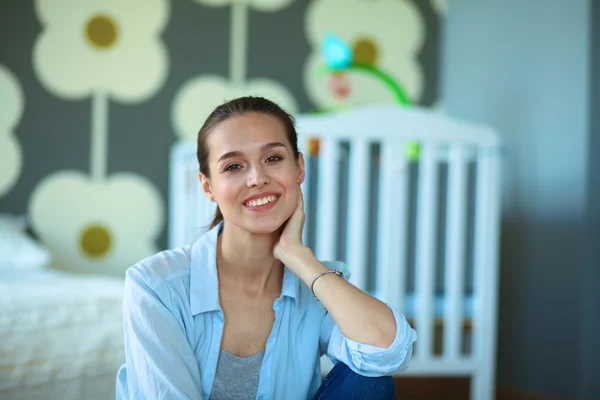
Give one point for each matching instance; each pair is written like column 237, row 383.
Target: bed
column 61, row 334
column 409, row 199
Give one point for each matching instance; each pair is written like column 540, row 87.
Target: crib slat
column 481, row 250
column 492, row 270
column 176, row 214
column 303, row 148
column 327, row 227
column 183, row 169
column 199, row 219
column 425, row 250
column 487, row 209
column 195, row 216
column 455, row 245
column 358, row 202
column 393, row 206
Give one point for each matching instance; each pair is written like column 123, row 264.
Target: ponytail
column 217, row 219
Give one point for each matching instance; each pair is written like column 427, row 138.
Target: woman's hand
column 290, row 241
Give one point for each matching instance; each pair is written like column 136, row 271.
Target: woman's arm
column 360, row 317
column 365, row 359
column 160, row 362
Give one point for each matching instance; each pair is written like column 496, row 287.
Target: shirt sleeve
column 365, row 359
column 160, row 361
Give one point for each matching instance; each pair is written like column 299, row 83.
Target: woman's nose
column 258, row 177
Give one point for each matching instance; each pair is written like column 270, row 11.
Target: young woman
column 247, row 310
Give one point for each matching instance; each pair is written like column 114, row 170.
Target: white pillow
column 17, row 250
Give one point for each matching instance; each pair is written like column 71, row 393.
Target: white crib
column 422, row 236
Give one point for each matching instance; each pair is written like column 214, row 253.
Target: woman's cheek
column 291, row 203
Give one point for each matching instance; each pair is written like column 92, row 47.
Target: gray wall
column 54, row 133
column 523, row 67
column 590, row 381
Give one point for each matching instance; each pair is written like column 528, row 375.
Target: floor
column 432, row 388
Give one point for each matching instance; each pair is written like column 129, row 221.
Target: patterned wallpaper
column 95, row 92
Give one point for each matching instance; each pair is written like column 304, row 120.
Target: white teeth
column 260, row 202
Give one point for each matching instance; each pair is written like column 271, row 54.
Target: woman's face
column 253, row 172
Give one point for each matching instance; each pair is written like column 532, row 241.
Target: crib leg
column 481, row 385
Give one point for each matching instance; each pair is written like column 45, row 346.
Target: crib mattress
column 61, row 335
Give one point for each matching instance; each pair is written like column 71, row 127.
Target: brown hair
column 233, row 108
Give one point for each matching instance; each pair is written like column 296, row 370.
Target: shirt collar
column 291, row 285
column 204, row 283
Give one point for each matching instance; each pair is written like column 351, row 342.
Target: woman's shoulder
column 159, row 284
column 162, row 267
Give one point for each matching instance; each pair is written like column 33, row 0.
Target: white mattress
column 61, row 335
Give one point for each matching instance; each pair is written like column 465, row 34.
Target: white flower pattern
column 261, row 5
column 440, row 6
column 199, row 97
column 12, row 100
column 112, row 46
column 96, row 227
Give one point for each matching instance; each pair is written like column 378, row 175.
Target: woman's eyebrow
column 236, row 153
column 229, row 155
column 271, row 145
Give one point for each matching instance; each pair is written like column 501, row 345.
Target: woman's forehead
column 246, row 133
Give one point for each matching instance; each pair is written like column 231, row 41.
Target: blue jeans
column 344, row 384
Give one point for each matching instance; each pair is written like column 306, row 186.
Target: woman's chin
column 267, row 223
column 265, row 229
column 265, row 226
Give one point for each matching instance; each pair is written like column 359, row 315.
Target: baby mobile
column 339, row 58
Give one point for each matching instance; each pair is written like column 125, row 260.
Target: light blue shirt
column 173, row 327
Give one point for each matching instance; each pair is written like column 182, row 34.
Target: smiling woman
column 249, row 157
column 255, row 121
column 247, row 310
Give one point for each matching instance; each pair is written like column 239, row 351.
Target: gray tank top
column 236, row 377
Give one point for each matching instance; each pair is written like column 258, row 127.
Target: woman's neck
column 246, row 261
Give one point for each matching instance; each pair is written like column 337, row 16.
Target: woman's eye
column 274, row 158
column 233, row 167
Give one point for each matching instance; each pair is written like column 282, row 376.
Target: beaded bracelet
column 337, row 272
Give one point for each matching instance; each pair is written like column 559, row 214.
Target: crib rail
column 443, row 142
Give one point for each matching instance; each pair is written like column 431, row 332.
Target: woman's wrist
column 296, row 255
column 305, row 265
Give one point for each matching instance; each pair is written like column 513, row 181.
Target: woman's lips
column 262, row 203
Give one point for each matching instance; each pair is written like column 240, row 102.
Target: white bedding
column 61, row 335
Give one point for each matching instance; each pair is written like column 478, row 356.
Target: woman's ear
column 206, row 187
column 301, row 174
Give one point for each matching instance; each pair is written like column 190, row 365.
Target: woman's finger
column 300, row 198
